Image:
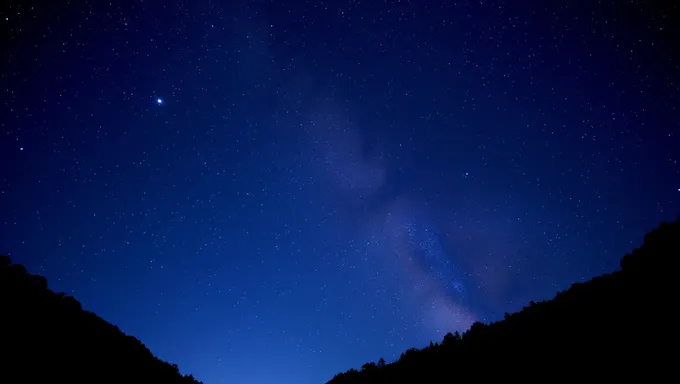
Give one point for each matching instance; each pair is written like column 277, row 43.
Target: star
column 159, row 101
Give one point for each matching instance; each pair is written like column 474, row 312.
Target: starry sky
column 277, row 191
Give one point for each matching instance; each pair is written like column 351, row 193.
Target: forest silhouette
column 47, row 338
column 615, row 326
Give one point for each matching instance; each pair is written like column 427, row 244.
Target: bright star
column 159, row 101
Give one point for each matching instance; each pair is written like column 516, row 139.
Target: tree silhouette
column 618, row 326
column 614, row 327
column 47, row 337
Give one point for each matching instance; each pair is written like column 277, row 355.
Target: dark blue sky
column 326, row 183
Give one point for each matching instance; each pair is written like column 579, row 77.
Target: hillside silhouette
column 616, row 326
column 47, row 338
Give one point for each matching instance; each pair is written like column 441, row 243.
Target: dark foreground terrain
column 48, row 338
column 618, row 326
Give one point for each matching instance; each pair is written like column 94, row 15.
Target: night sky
column 277, row 191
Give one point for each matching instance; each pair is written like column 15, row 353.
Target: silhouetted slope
column 47, row 338
column 620, row 325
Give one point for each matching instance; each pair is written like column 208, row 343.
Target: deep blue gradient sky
column 328, row 183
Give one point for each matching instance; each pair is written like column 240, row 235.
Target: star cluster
column 278, row 191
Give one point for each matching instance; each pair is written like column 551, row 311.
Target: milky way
column 411, row 241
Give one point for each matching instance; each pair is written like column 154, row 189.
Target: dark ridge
column 48, row 338
column 615, row 326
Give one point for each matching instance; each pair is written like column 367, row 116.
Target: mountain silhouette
column 47, row 338
column 616, row 326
